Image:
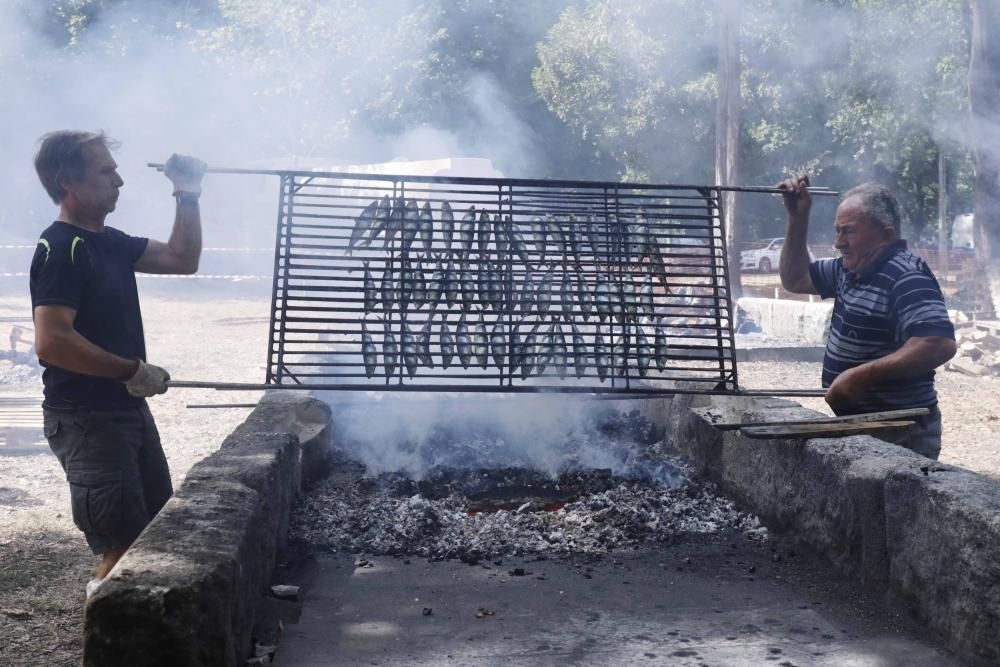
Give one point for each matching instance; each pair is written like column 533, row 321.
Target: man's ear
column 889, row 234
column 65, row 182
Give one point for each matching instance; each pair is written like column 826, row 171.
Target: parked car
column 766, row 258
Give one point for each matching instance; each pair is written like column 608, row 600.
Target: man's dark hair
column 879, row 204
column 60, row 153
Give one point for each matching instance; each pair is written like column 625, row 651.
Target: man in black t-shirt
column 89, row 338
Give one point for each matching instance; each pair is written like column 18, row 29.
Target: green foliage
column 848, row 90
column 625, row 77
column 902, row 98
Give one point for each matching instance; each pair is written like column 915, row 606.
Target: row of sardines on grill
column 478, row 230
column 544, row 292
column 528, row 350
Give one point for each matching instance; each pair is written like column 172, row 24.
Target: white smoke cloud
column 417, row 433
column 159, row 96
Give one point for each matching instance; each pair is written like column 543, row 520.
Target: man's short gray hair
column 60, row 153
column 879, row 204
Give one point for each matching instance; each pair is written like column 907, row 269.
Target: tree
column 984, row 94
column 727, row 131
column 898, row 103
column 637, row 80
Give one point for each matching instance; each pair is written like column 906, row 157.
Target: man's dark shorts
column 117, row 473
column 924, row 437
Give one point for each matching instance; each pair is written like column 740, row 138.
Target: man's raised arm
column 181, row 253
column 794, row 263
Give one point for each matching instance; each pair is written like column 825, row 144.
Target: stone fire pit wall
column 184, row 594
column 926, row 533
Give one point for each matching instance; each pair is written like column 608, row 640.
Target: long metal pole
column 815, row 190
column 464, row 388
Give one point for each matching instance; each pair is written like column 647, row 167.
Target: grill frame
column 682, row 208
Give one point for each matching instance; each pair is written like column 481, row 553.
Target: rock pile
column 978, row 349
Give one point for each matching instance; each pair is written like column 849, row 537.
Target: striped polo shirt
column 893, row 299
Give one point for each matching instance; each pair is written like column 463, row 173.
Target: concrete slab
column 780, row 352
column 790, row 319
column 687, row 604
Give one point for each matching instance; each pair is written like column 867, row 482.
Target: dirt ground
column 221, row 335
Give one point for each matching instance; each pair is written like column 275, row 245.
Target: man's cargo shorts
column 117, row 473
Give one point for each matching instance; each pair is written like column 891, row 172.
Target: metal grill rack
column 396, row 282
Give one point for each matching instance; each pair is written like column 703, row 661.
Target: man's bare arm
column 919, row 354
column 180, row 254
column 794, row 262
column 59, row 344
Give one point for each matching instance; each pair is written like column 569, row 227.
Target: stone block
column 943, row 540
column 790, row 319
column 927, row 532
column 967, row 366
column 293, row 412
column 268, row 463
column 179, row 596
column 185, row 592
column 825, row 494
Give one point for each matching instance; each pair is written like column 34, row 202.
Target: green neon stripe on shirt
column 72, row 249
column 48, row 248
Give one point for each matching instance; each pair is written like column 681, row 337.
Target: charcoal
column 599, row 512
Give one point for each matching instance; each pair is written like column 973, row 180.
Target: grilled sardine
column 447, row 343
column 371, row 292
column 464, row 342
column 427, row 227
column 447, row 227
column 362, row 225
column 410, row 358
column 368, row 351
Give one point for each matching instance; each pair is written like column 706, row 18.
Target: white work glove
column 185, row 173
column 148, row 380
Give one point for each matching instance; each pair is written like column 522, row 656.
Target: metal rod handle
column 249, row 386
column 159, row 166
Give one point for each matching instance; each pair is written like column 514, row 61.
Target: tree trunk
column 942, row 212
column 984, row 98
column 727, row 132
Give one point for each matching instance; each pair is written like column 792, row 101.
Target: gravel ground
column 44, row 561
column 970, row 409
column 222, row 336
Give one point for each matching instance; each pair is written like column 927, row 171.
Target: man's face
column 858, row 238
column 97, row 191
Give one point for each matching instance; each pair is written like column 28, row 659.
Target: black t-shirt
column 93, row 273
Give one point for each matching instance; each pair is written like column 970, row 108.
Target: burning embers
column 503, row 512
column 488, row 479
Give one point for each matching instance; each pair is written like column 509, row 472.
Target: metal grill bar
column 425, row 283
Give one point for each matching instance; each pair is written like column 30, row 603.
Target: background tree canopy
column 848, row 90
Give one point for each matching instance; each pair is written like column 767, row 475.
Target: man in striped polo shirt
column 890, row 328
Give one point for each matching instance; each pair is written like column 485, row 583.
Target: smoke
column 847, row 91
column 417, row 434
column 489, row 128
column 279, row 86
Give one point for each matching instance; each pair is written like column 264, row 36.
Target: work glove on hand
column 148, row 380
column 185, row 173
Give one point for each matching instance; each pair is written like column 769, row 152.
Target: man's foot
column 92, row 586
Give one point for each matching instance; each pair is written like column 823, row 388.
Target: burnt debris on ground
column 488, row 513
